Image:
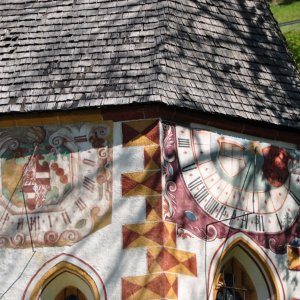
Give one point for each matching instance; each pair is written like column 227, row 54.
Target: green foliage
column 293, row 39
column 286, row 13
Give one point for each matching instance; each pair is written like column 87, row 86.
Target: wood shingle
column 221, row 57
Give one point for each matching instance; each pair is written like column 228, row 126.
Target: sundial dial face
column 235, row 183
column 60, row 175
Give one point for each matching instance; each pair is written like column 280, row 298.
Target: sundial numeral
column 232, row 218
column 195, row 183
column 88, row 183
column 20, row 224
column 211, row 206
column 66, row 218
column 221, row 213
column 80, row 204
column 50, row 222
column 189, row 167
column 183, row 143
column 201, row 194
column 34, row 223
column 279, row 222
column 259, row 222
column 244, row 223
column 89, row 162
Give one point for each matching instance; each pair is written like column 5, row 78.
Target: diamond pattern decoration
column 149, row 235
column 154, row 208
column 140, row 133
column 147, row 183
column 154, row 286
column 162, row 259
column 152, row 159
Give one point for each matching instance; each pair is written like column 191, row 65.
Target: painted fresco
column 164, row 260
column 293, row 256
column 56, row 185
column 217, row 185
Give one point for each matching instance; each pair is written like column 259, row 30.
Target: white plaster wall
column 103, row 249
column 197, row 287
column 290, row 279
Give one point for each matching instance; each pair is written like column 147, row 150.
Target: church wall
column 130, row 208
column 209, row 182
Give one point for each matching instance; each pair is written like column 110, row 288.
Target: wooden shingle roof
column 223, row 57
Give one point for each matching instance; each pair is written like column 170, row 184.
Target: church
column 149, row 149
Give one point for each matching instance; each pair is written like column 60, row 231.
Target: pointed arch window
column 243, row 274
column 65, row 281
column 234, row 282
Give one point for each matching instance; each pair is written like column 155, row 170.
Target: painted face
column 275, row 167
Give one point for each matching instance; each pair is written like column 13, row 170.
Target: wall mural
column 55, row 183
column 216, row 185
column 164, row 260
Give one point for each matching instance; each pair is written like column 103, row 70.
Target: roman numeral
column 201, row 194
column 195, row 183
column 183, row 143
column 66, row 218
column 49, row 220
column 279, row 222
column 244, row 223
column 259, row 222
column 34, row 223
column 89, row 162
column 221, row 212
column 189, row 167
column 211, row 206
column 233, row 216
column 88, row 183
column 20, row 224
column 80, row 204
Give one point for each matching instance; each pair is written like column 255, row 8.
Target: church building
column 149, row 149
